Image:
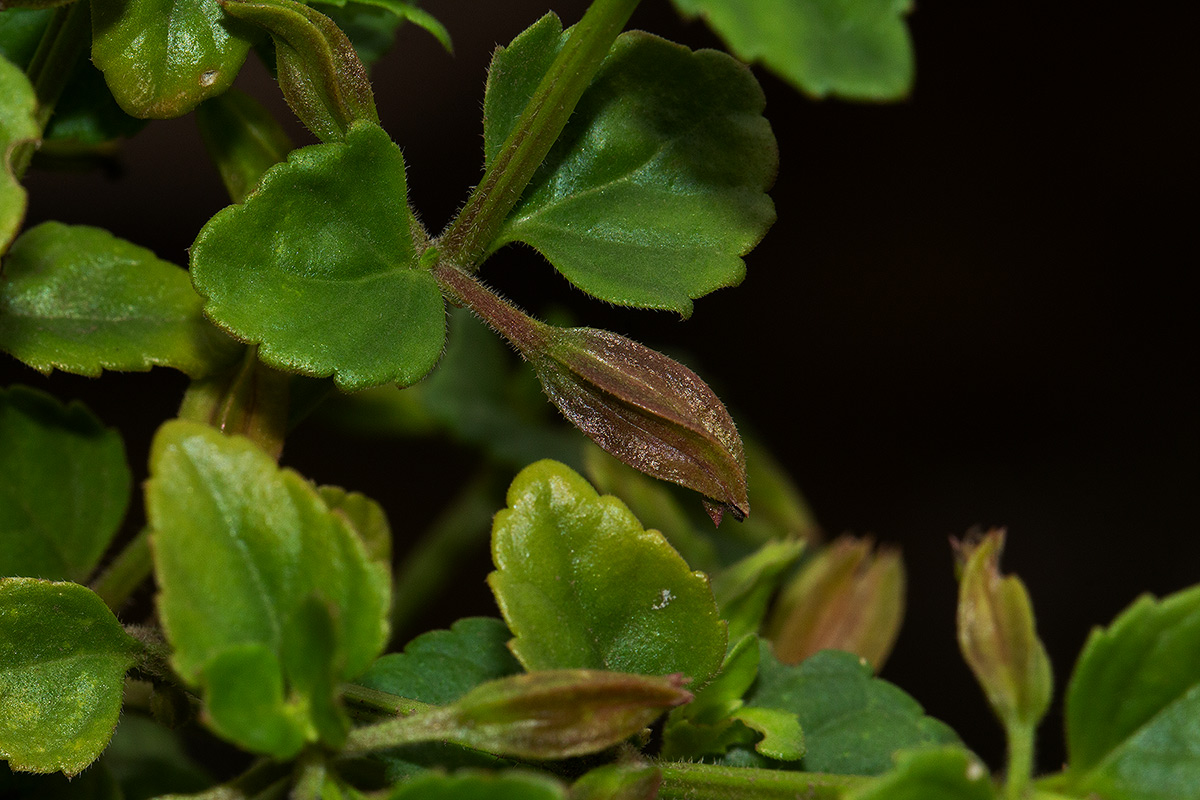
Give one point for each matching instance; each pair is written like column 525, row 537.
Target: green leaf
column 148, row 760
column 1133, row 704
column 85, row 113
column 618, row 782
column 510, row 785
column 852, row 721
column 744, row 589
column 64, row 486
column 856, row 49
column 441, row 666
column 657, row 186
column 63, row 658
column 319, row 267
column 366, row 518
column 18, row 125
column 948, row 773
column 268, row 597
column 582, row 585
column 399, row 11
column 161, row 58
column 78, row 299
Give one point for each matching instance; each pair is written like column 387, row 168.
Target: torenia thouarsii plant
column 637, row 651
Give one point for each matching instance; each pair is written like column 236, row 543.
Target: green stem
column 122, row 577
column 368, row 703
column 64, row 41
column 310, row 776
column 710, row 782
column 430, row 726
column 1020, row 760
column 464, row 525
column 466, row 240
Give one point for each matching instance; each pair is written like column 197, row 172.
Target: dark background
column 972, row 311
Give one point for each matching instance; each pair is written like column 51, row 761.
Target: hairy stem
column 1020, row 760
column 710, row 782
column 523, row 331
column 466, row 240
column 365, row 703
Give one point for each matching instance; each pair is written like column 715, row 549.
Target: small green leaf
column 948, row 773
column 782, row 736
column 18, row 125
column 78, row 299
column 64, row 486
column 618, row 782
column 582, row 585
column 402, row 11
column 657, row 186
column 257, row 577
column 63, row 658
column 319, row 267
column 366, row 518
column 510, row 785
column 856, row 49
column 161, row 58
column 1133, row 704
column 852, row 721
column 744, row 589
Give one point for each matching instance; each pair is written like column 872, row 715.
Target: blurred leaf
column 582, row 585
column 269, row 599
column 78, row 299
column 398, row 11
column 656, row 187
column 618, row 782
column 856, row 49
column 948, row 773
column 705, row 726
column 85, row 113
column 1133, row 704
column 366, row 518
column 63, row 658
column 18, row 125
column 509, row 785
column 64, row 486
column 161, row 58
column 148, row 760
column 319, row 267
column 852, row 722
column 847, row 596
column 243, row 138
column 744, row 589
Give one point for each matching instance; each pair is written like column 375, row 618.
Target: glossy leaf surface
column 269, row 598
column 319, row 267
column 583, row 585
column 852, row 721
column 78, row 299
column 856, row 49
column 63, row 658
column 510, row 785
column 949, row 773
column 1133, row 704
column 18, row 125
column 161, row 58
column 656, row 187
column 64, row 487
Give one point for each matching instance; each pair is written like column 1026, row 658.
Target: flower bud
column 561, row 713
column 997, row 636
column 847, row 597
column 649, row 411
column 319, row 73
